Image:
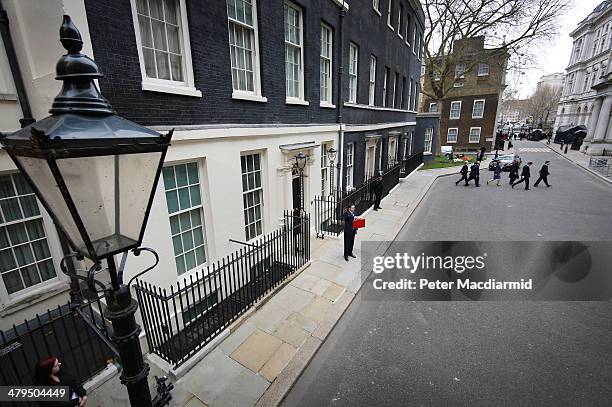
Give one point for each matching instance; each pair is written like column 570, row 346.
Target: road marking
column 535, row 150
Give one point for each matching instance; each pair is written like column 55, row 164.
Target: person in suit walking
column 377, row 189
column 482, row 153
column 514, row 168
column 474, row 174
column 349, row 232
column 497, row 170
column 543, row 174
column 525, row 175
column 464, row 172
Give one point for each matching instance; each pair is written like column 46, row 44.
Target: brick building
column 469, row 111
column 247, row 85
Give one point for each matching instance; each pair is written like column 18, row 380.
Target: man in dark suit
column 463, row 171
column 543, row 175
column 474, row 174
column 525, row 175
column 482, row 153
column 514, row 169
column 377, row 189
column 349, row 232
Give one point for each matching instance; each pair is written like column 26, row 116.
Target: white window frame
column 327, row 100
column 395, row 78
column 42, row 286
column 324, row 170
column 481, row 71
column 300, row 99
column 185, row 87
column 372, row 84
column 376, row 6
column 470, row 135
column 389, row 13
column 435, row 109
column 456, row 134
column 400, row 12
column 450, row 114
column 402, row 93
column 428, row 140
column 189, row 209
column 392, row 150
column 460, row 70
column 353, row 72
column 407, row 40
column 474, row 109
column 348, row 168
column 414, row 33
column 595, row 43
column 385, row 87
column 417, row 46
column 255, row 94
column 259, row 190
column 410, row 93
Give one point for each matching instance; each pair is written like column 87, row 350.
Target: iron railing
column 606, row 153
column 64, row 332
column 601, row 165
column 411, row 163
column 329, row 210
column 181, row 320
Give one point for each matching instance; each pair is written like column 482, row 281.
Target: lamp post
column 96, row 174
column 331, row 156
column 300, row 163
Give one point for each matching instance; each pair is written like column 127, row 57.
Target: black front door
column 297, row 188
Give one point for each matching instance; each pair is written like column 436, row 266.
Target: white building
column 554, row 80
column 587, row 66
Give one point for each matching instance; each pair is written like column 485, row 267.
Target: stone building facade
column 587, row 69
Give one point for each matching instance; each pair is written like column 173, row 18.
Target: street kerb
column 279, row 388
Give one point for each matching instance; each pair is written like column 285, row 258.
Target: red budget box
column 358, row 223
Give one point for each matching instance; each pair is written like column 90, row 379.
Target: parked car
column 505, row 162
column 536, row 135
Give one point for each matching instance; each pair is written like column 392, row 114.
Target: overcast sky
column 554, row 56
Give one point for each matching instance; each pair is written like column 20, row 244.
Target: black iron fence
column 601, row 165
column 411, row 163
column 64, row 332
column 181, row 320
column 329, row 210
column 606, row 153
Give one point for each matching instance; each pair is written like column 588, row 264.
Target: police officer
column 463, row 172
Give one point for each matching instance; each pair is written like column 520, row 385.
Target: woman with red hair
column 48, row 372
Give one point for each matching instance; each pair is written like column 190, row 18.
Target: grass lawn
column 443, row 162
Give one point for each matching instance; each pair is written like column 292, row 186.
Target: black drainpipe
column 15, row 71
column 339, row 99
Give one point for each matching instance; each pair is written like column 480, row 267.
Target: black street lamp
column 96, row 175
column 300, row 163
column 331, row 156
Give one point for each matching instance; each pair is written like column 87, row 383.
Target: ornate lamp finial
column 79, row 93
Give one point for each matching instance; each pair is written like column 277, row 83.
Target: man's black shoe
column 353, row 256
column 346, row 258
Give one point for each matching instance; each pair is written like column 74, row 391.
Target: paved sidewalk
column 266, row 351
column 577, row 158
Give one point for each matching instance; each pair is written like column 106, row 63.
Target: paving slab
column 277, row 362
column 256, row 350
column 244, row 390
column 291, row 333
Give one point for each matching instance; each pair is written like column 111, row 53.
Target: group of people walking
column 515, row 179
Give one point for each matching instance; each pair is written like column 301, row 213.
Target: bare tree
column 508, row 25
column 543, row 102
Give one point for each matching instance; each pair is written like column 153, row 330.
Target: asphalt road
column 416, row 353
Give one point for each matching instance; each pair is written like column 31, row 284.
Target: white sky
column 554, row 56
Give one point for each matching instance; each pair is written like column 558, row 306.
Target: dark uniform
column 377, row 189
column 349, row 234
column 525, row 175
column 543, row 176
column 474, row 174
column 463, row 172
column 514, row 168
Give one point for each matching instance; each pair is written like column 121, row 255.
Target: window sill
column 451, row 142
column 167, row 88
column 474, row 142
column 390, row 27
column 453, row 118
column 400, row 35
column 26, row 300
column 390, row 109
column 249, row 96
column 327, row 105
column 479, row 117
column 483, row 75
column 377, row 12
column 294, row 101
column 427, row 153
